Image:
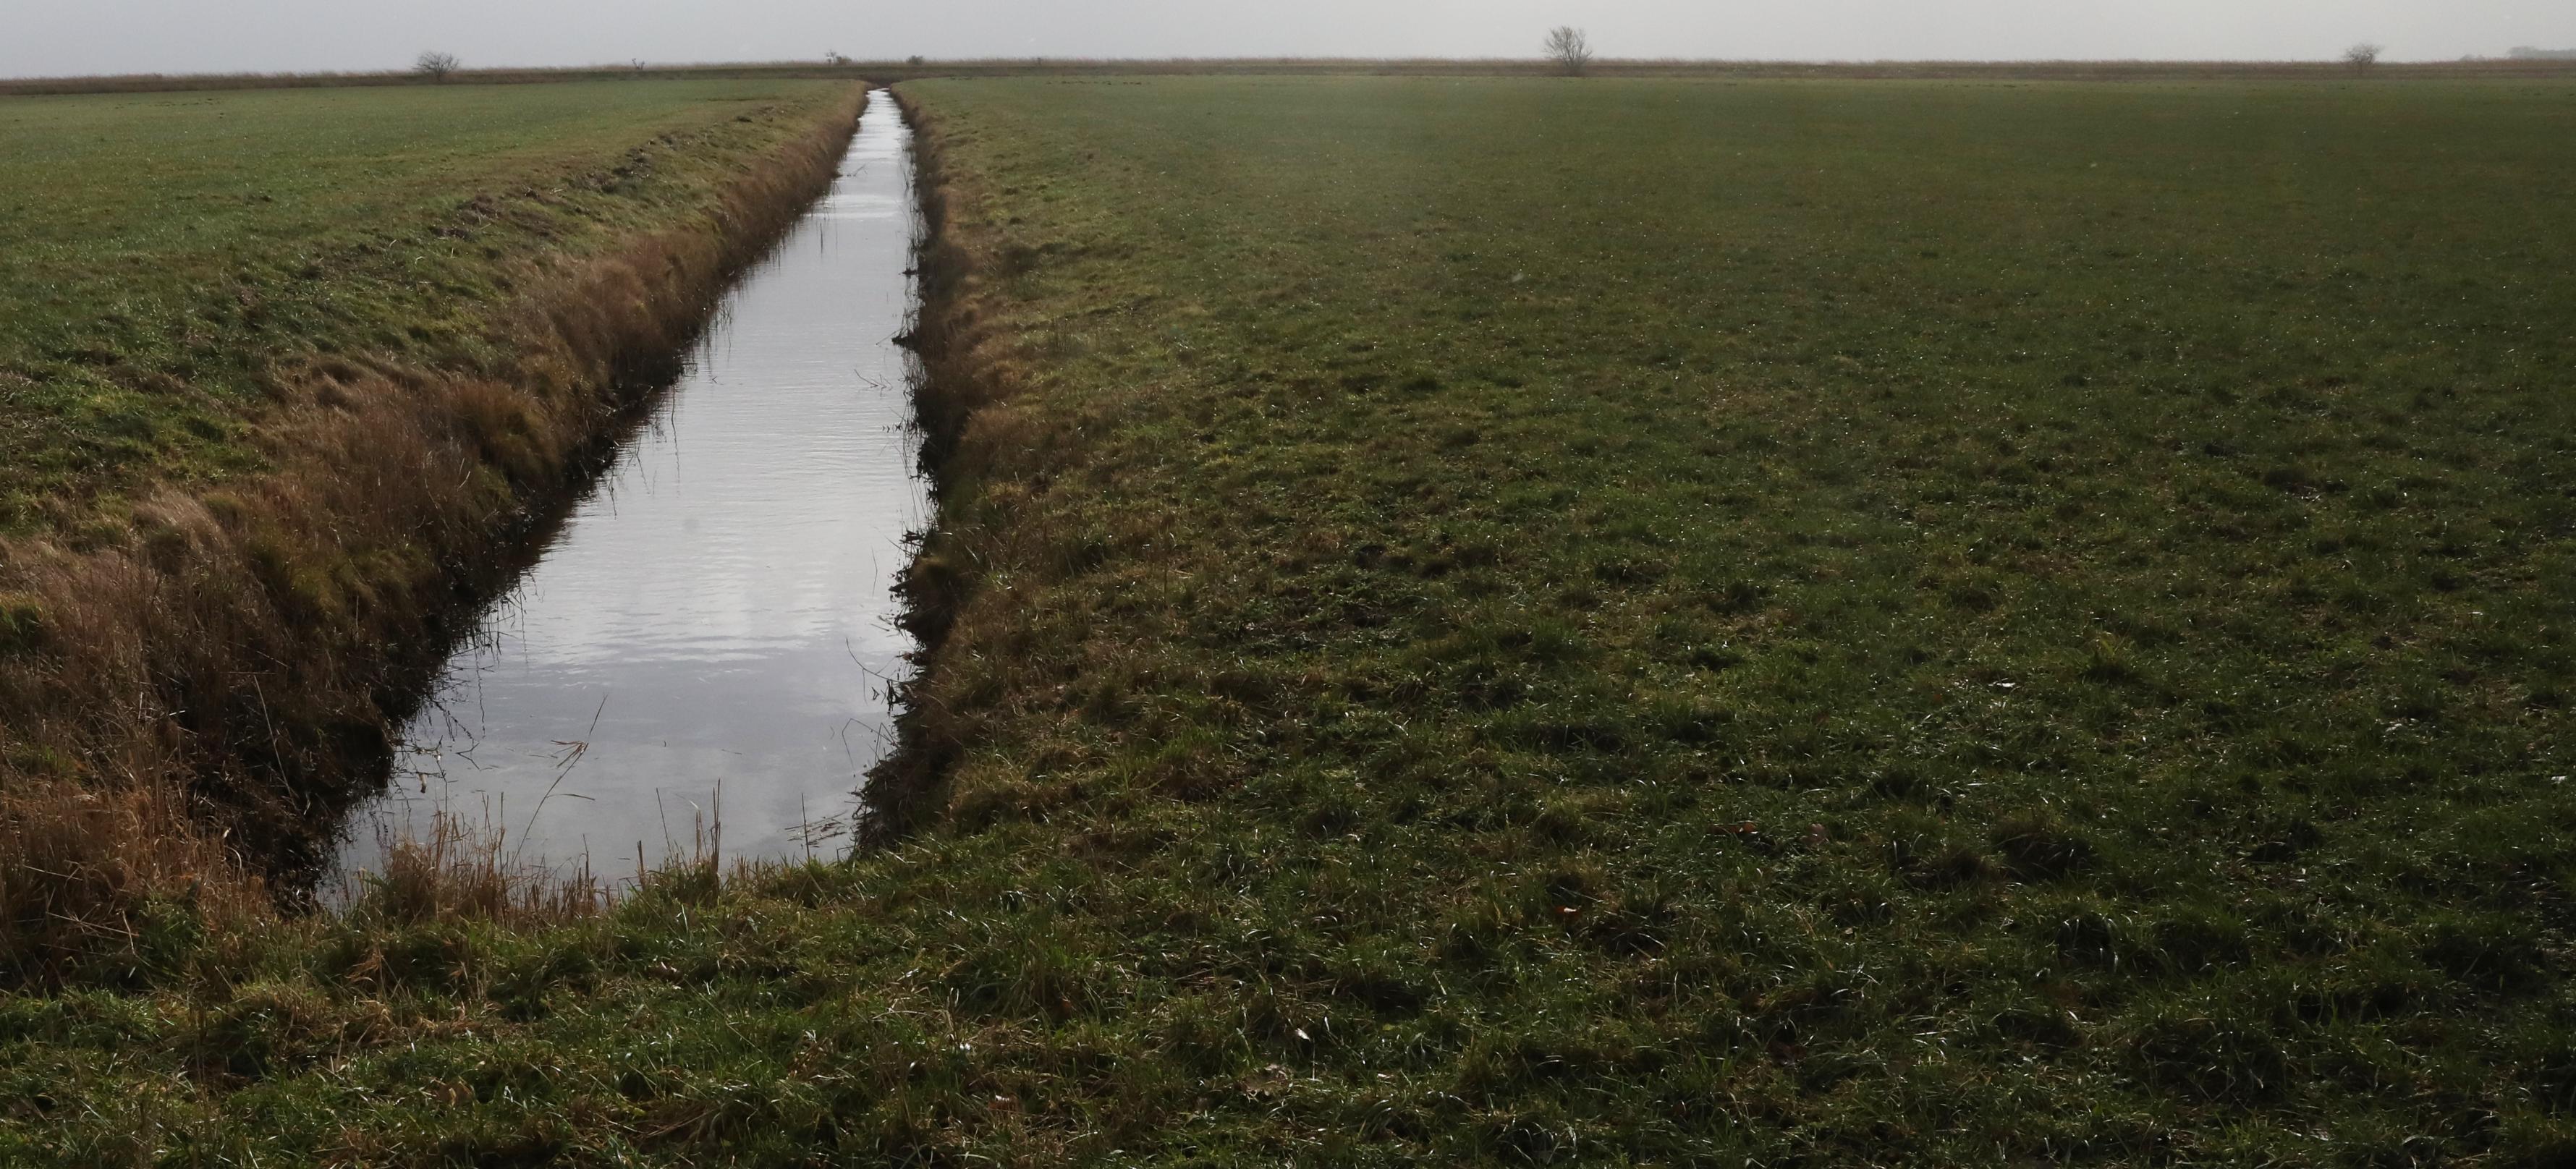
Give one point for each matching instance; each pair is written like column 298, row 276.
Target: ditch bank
column 985, row 453
column 961, row 375
column 186, row 708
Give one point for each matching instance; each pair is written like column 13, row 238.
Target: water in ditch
column 708, row 640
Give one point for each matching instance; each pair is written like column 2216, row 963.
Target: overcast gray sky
column 59, row 37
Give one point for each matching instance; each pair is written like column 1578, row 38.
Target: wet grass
column 1608, row 622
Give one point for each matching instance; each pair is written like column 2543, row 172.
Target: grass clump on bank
column 1623, row 622
column 280, row 375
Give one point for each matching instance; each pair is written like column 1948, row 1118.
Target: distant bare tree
column 435, row 65
column 2362, row 56
column 1570, row 49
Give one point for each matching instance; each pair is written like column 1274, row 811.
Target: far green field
column 163, row 250
column 1614, row 622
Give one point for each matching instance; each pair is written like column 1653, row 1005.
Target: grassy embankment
column 279, row 372
column 1613, row 622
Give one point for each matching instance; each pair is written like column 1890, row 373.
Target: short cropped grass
column 1611, row 622
column 165, row 251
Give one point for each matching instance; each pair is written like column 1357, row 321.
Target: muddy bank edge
column 963, row 372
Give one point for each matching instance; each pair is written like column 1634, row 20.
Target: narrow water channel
column 710, row 635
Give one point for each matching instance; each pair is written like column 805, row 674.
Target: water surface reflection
column 718, row 611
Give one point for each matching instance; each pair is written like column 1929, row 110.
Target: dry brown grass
column 185, row 705
column 81, row 863
column 465, row 867
column 458, row 870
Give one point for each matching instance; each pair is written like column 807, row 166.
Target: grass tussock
column 457, row 871
column 95, row 877
column 190, row 696
column 466, row 869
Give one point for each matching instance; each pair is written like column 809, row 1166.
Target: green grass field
column 1614, row 622
column 166, row 250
